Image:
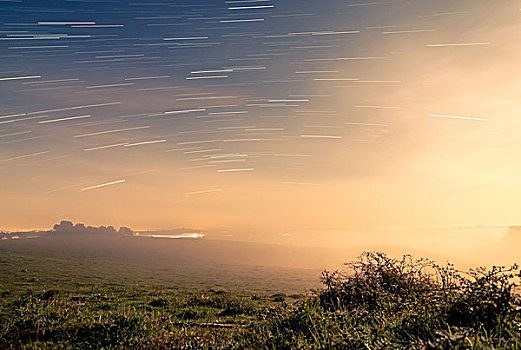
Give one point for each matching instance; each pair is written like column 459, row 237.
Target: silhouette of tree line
column 67, row 227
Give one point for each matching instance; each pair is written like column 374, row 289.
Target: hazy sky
column 253, row 118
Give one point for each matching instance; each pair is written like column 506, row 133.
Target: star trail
column 209, row 113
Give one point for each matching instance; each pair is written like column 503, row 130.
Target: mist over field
column 184, row 252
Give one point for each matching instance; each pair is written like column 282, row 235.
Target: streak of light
column 227, row 161
column 372, row 3
column 376, row 107
column 61, row 189
column 457, row 44
column 411, row 31
column 380, row 81
column 12, row 115
column 144, row 143
column 321, row 136
column 23, row 140
column 199, row 94
column 265, row 129
column 21, row 78
column 187, row 38
column 98, row 26
column 16, row 133
column 22, row 119
column 120, row 56
column 234, row 127
column 444, row 14
column 64, row 23
column 112, row 131
column 146, row 78
column 242, row 20
column 291, row 155
column 24, row 156
column 228, row 156
column 344, row 59
column 212, row 71
column 325, row 33
column 373, row 141
column 198, row 167
column 76, row 107
column 208, row 77
column 457, row 117
column 181, row 149
column 234, row 170
column 278, row 101
column 203, row 151
column 226, row 113
column 50, row 81
column 224, row 120
column 196, row 142
column 34, row 38
column 364, row 124
column 314, row 47
column 301, row 183
column 63, row 119
column 250, row 7
column 103, row 185
column 317, row 111
column 37, row 47
column 186, row 111
column 220, row 106
column 323, row 126
column 205, row 191
column 205, row 98
column 242, row 140
column 335, row 33
column 47, row 88
column 248, row 68
column 317, row 71
column 159, row 88
column 107, row 86
column 335, row 79
column 104, row 147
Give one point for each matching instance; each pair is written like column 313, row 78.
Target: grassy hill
column 91, row 292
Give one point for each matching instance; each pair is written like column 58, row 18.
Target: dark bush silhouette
column 384, row 303
column 432, row 296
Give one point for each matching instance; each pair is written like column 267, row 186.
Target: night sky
column 260, row 118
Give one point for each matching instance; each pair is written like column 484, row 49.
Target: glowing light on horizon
column 197, row 235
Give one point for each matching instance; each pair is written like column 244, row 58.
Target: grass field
column 110, row 294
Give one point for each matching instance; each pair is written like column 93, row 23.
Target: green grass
column 376, row 303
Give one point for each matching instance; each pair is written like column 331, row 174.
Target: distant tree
column 125, row 231
column 63, row 227
column 80, row 228
column 67, row 227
